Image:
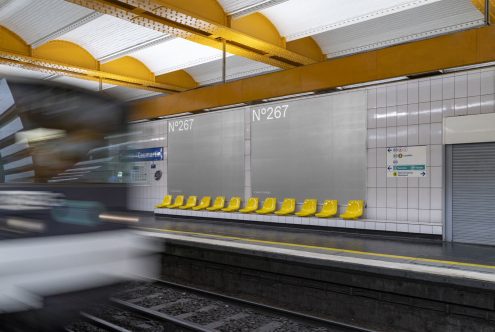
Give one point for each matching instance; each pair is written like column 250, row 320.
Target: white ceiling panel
column 176, row 54
column 127, row 94
column 237, row 67
column 33, row 20
column 422, row 22
column 244, row 7
column 21, row 73
column 107, row 35
column 80, row 83
column 296, row 19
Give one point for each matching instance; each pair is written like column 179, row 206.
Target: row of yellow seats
column 355, row 208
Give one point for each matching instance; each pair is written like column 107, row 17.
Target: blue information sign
column 150, row 154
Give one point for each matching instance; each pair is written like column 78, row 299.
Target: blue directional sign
column 149, row 154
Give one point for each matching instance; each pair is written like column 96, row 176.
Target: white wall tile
column 391, row 227
column 402, row 182
column 402, row 198
column 424, row 198
column 391, row 136
column 392, row 214
column 402, row 228
column 474, row 106
column 381, row 97
column 412, row 182
column 381, row 117
column 448, row 88
column 381, row 197
column 381, row 157
column 436, row 155
column 436, row 111
column 426, row 229
column 448, row 108
column 412, row 215
column 381, row 138
column 436, row 89
column 402, row 115
column 460, row 86
column 392, row 95
column 371, row 122
column 487, row 104
column 460, row 106
column 402, row 94
column 436, row 198
column 424, row 112
column 412, row 198
column 412, row 135
column 402, row 136
column 474, row 81
column 412, row 92
column 424, row 91
column 371, row 198
column 372, row 157
column 436, row 216
column 436, row 133
column 436, row 177
column 371, row 93
column 381, row 213
column 381, row 177
column 391, row 182
column 424, row 215
column 391, row 116
column 487, row 85
column 391, row 197
column 372, row 177
column 424, row 134
column 371, row 138
column 402, row 214
column 412, row 114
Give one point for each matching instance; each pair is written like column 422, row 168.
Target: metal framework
column 52, row 67
column 167, row 18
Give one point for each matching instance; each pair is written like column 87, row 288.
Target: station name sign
column 149, row 154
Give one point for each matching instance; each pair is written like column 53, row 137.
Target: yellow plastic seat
column 191, row 202
column 218, row 204
column 354, row 210
column 329, row 209
column 269, row 206
column 251, row 205
column 288, row 207
column 203, row 204
column 308, row 208
column 167, row 200
column 179, row 201
column 234, row 205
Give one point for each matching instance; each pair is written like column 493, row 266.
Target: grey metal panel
column 209, row 158
column 317, row 151
column 473, row 193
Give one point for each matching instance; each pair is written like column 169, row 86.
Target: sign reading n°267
column 406, row 161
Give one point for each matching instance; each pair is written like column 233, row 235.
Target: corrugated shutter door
column 473, row 193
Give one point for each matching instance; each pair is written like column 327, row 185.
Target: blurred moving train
column 62, row 200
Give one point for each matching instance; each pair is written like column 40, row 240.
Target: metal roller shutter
column 473, row 193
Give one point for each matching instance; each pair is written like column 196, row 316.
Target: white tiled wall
column 144, row 197
column 399, row 114
column 411, row 113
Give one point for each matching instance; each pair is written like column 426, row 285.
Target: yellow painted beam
column 69, row 59
column 180, row 19
column 454, row 50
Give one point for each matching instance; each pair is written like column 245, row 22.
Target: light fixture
column 388, row 80
column 290, row 96
column 476, row 66
column 138, row 121
column 174, row 115
column 223, row 107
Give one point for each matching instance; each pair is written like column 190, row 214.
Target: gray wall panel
column 317, row 150
column 209, row 158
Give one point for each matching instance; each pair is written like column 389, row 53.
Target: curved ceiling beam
column 181, row 77
column 458, row 49
column 69, row 59
column 128, row 66
column 181, row 19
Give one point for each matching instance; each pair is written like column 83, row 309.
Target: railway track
column 157, row 306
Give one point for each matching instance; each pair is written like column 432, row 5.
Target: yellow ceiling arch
column 9, row 41
column 128, row 66
column 180, row 77
column 66, row 52
column 259, row 26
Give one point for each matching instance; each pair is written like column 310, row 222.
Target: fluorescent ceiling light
column 389, row 80
column 174, row 115
column 477, row 66
column 223, row 107
column 290, row 96
column 39, row 134
column 139, row 121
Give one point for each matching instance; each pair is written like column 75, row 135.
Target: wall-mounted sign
column 150, row 154
column 406, row 161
